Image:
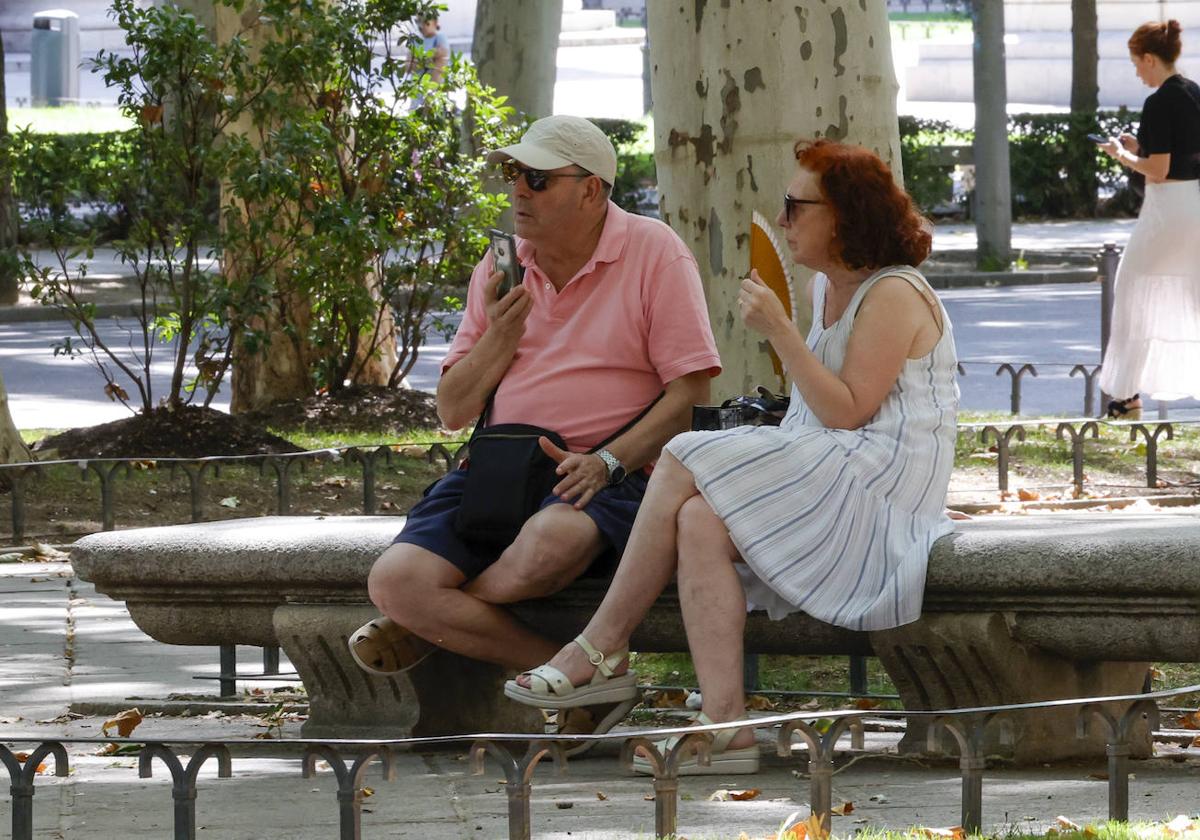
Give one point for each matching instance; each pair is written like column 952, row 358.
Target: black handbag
column 508, row 476
column 760, row 409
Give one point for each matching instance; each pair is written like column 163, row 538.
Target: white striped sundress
column 834, row 522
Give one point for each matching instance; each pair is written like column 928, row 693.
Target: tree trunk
column 8, row 211
column 1085, row 57
column 12, row 447
column 1085, row 93
column 733, row 91
column 993, row 191
column 515, row 50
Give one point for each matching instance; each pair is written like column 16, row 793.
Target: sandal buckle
column 596, row 658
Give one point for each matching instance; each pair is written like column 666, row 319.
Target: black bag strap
column 487, row 409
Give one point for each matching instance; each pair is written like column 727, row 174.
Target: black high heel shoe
column 1122, row 410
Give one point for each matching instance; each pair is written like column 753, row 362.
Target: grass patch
column 69, row 119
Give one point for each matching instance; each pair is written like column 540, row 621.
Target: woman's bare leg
column 646, row 568
column 714, row 612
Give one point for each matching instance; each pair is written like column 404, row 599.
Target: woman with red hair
column 834, row 511
column 1154, row 347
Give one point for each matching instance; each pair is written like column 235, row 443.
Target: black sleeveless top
column 1171, row 124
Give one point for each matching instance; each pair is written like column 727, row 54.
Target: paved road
column 1056, row 324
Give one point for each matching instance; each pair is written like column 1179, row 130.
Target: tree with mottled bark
column 993, row 189
column 515, row 50
column 8, row 211
column 732, row 93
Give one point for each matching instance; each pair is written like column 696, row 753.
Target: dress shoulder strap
column 915, row 278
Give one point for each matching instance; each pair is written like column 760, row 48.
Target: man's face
column 541, row 215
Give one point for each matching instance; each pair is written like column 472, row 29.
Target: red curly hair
column 876, row 222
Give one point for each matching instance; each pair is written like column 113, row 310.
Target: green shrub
column 54, row 172
column 1056, row 172
column 634, row 169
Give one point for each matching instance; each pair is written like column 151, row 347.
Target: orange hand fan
column 771, row 262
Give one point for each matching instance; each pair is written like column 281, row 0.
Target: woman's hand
column 761, row 309
column 1128, row 142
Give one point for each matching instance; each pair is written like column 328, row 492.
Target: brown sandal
column 383, row 647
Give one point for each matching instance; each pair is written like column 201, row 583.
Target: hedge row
column 1056, row 172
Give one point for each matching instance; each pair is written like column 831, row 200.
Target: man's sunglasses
column 537, row 179
column 789, row 203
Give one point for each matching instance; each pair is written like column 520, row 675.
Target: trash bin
column 54, row 58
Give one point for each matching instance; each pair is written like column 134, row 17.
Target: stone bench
column 1017, row 609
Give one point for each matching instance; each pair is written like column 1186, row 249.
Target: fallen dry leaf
column 758, row 703
column 724, row 795
column 40, row 769
column 1100, row 777
column 1090, row 831
column 1190, row 721
column 21, row 757
column 124, row 723
column 1066, row 824
column 1179, row 825
column 600, row 795
column 1196, row 741
column 649, row 797
column 367, row 791
column 954, row 832
column 1028, row 495
column 676, row 699
column 866, row 703
column 842, row 809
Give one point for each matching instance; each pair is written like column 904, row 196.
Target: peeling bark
column 515, row 50
column 734, row 87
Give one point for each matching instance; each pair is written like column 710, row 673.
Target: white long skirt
column 1154, row 346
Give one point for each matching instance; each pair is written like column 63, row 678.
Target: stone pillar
column 444, row 695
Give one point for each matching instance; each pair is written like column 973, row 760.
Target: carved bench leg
column 446, row 694
column 948, row 660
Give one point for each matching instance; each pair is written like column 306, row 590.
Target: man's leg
column 426, row 594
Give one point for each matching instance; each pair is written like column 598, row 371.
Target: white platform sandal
column 549, row 687
column 723, row 761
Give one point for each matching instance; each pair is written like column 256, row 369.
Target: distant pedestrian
column 435, row 50
column 1154, row 347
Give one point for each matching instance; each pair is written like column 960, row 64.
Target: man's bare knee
column 554, row 548
column 405, row 579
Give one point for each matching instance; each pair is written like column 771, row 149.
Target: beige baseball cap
column 561, row 140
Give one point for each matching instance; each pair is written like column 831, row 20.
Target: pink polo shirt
column 594, row 355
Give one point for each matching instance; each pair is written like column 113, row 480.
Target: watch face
column 617, row 475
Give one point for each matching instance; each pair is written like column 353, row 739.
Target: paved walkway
column 66, row 647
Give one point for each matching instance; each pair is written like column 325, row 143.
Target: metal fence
column 518, row 755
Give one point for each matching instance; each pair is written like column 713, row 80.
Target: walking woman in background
column 1154, row 347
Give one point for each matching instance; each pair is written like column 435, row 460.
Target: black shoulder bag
column 508, row 476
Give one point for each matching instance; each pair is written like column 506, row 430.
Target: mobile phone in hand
column 1099, row 139
column 504, row 256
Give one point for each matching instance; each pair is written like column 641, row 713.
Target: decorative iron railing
column 349, row 759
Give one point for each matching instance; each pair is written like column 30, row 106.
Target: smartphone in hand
column 504, row 256
column 1099, row 139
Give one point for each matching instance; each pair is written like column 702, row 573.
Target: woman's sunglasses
column 537, row 179
column 789, row 203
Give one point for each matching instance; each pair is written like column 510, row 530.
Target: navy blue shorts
column 430, row 523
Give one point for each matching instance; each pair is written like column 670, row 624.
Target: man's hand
column 1128, row 142
column 506, row 315
column 584, row 474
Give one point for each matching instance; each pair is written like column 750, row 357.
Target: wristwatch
column 616, row 470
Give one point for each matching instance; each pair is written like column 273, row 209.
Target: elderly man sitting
column 606, row 342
